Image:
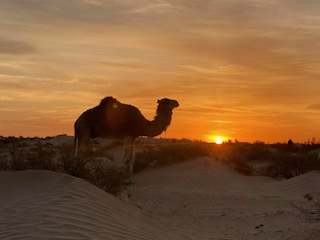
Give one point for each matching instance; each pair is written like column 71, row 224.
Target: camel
column 115, row 120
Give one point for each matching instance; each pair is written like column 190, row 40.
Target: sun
column 218, row 140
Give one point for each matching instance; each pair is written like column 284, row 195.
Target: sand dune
column 205, row 199
column 48, row 205
column 200, row 199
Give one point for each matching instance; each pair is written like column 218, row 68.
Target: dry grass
column 20, row 157
column 36, row 153
column 285, row 161
column 170, row 153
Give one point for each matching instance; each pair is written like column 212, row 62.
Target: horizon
column 245, row 70
column 310, row 141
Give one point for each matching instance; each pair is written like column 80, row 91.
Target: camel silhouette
column 115, row 120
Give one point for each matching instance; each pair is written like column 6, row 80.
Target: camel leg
column 131, row 162
column 128, row 155
column 76, row 147
column 82, row 144
column 84, row 147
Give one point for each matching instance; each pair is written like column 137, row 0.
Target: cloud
column 154, row 8
column 315, row 106
column 228, row 61
column 6, row 99
column 16, row 47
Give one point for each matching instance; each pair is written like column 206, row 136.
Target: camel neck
column 160, row 123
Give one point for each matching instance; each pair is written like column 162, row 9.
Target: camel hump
column 108, row 101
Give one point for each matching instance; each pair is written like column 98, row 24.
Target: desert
column 159, row 120
column 199, row 197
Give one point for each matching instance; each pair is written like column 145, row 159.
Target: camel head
column 167, row 104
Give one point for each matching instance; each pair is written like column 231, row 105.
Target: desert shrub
column 108, row 178
column 284, row 147
column 286, row 160
column 65, row 153
column 10, row 140
column 5, row 159
column 92, row 169
column 4, row 164
column 78, row 166
column 243, row 168
column 41, row 157
column 17, row 162
column 245, row 152
column 257, row 152
column 169, row 153
column 2, row 142
column 32, row 158
column 75, row 166
column 239, row 155
column 288, row 165
column 61, row 159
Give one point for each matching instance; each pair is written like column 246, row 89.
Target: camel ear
column 158, row 101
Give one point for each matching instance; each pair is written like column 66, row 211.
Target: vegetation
column 97, row 167
column 170, row 153
column 281, row 161
column 17, row 155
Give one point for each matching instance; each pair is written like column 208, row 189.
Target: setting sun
column 218, row 140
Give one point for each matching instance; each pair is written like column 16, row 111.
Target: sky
column 241, row 69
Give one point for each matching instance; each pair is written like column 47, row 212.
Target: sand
column 199, row 199
column 204, row 199
column 47, row 205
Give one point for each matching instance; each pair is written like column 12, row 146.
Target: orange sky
column 246, row 70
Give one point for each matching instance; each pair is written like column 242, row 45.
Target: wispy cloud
column 16, row 47
column 154, row 8
column 232, row 63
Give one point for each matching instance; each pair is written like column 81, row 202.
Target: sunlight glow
column 218, row 140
